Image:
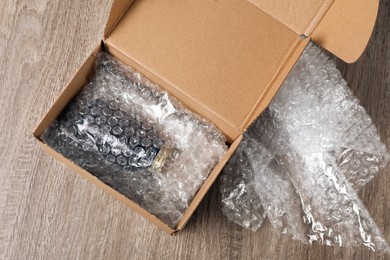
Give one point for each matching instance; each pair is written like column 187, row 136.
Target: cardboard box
column 224, row 59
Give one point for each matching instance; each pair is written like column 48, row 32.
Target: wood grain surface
column 48, row 211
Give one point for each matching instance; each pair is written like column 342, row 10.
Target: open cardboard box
column 224, row 59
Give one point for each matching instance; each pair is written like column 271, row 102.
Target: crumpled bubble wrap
column 138, row 139
column 309, row 152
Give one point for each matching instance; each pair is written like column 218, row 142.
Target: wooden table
column 47, row 211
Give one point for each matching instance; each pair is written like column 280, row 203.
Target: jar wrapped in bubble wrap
column 138, row 139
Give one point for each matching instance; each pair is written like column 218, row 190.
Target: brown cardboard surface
column 217, row 57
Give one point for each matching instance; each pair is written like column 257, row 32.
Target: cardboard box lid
column 343, row 27
column 224, row 58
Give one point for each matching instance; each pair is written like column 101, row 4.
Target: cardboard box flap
column 343, row 27
column 218, row 57
column 347, row 27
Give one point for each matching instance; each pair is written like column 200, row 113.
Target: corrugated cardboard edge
column 347, row 27
column 118, row 9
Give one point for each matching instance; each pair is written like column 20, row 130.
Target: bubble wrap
column 138, row 139
column 309, row 152
column 241, row 203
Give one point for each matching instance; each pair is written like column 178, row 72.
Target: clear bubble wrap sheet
column 138, row 139
column 308, row 154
